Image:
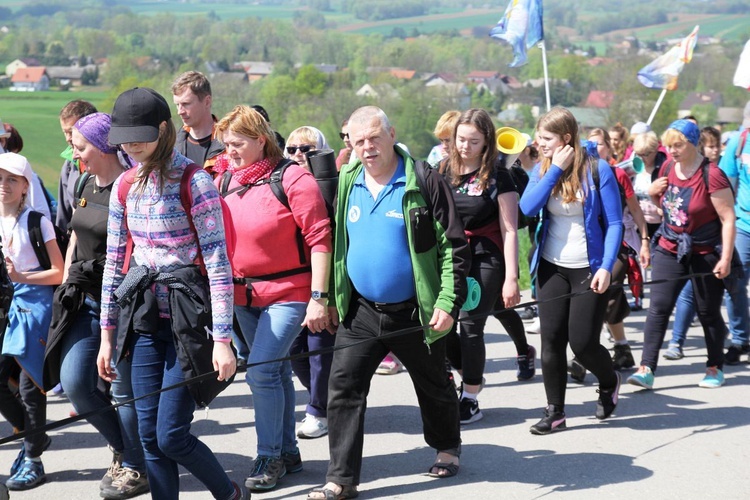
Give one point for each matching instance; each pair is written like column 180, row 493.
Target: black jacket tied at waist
column 83, row 277
column 708, row 235
column 189, row 316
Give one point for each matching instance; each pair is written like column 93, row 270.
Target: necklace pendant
column 82, row 203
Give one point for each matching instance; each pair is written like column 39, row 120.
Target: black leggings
column 708, row 291
column 466, row 352
column 617, row 304
column 577, row 321
column 24, row 412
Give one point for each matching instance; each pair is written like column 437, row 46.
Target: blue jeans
column 737, row 303
column 78, row 375
column 684, row 314
column 270, row 332
column 164, row 421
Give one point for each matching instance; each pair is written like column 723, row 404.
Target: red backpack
column 186, row 197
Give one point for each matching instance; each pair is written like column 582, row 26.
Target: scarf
column 248, row 174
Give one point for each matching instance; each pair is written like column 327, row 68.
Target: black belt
column 391, row 307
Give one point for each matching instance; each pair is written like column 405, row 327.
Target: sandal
column 347, row 491
column 449, row 468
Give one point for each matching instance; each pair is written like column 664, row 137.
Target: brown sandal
column 347, row 491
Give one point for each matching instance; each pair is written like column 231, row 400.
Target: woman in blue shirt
column 581, row 231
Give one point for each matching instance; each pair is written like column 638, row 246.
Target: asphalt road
column 677, row 441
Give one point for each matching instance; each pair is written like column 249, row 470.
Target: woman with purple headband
column 696, row 236
column 74, row 338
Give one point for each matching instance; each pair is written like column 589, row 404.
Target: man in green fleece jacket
column 400, row 262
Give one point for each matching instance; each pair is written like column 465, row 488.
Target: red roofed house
column 601, row 99
column 403, row 74
column 30, row 79
column 478, row 76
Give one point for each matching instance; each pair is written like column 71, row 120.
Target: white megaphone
column 510, row 142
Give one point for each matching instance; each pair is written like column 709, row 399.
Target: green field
column 427, row 25
column 35, row 115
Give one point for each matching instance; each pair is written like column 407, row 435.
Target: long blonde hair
column 560, row 121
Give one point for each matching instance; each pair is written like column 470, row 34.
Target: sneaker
column 622, row 358
column 57, row 390
column 525, row 365
column 240, row 493
column 390, row 365
column 128, row 483
column 553, row 420
column 292, row 462
column 30, row 475
column 312, row 427
column 469, row 411
column 673, row 352
column 241, row 365
column 534, row 327
column 265, row 474
column 607, row 400
column 16, row 465
column 528, row 313
column 644, row 377
column 714, row 378
column 112, row 471
column 577, row 371
column 635, row 305
column 734, row 354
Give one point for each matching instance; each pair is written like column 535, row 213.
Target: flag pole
column 656, row 107
column 546, row 74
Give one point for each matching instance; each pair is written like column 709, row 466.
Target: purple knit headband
column 95, row 128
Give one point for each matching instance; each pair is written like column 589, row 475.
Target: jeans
column 313, row 372
column 269, row 332
column 79, row 377
column 684, row 314
column 708, row 291
column 352, row 372
column 576, row 321
column 737, row 303
column 164, row 421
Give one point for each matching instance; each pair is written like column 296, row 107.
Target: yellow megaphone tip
column 509, row 140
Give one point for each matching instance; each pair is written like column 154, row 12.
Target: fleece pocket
column 422, row 229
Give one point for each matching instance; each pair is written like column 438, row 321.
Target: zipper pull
column 205, row 414
column 208, row 332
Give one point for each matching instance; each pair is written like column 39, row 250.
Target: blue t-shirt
column 738, row 171
column 378, row 259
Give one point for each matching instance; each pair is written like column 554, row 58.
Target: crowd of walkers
column 223, row 247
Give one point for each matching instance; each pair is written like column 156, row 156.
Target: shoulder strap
column 741, row 144
column 666, row 168
column 275, row 181
column 34, row 227
column 226, row 178
column 186, row 198
column 127, row 181
column 420, row 169
column 80, row 186
column 594, row 165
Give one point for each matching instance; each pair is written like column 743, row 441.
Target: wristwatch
column 317, row 294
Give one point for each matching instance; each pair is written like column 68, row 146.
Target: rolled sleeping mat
column 473, row 295
column 323, row 165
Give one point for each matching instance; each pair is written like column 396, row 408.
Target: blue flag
column 521, row 26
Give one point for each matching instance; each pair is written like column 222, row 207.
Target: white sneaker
column 312, row 427
column 534, row 327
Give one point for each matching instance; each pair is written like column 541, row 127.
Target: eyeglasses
column 343, row 135
column 302, row 149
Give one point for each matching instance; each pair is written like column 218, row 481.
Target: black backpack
column 37, row 240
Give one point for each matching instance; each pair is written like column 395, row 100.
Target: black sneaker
column 292, row 462
column 576, row 370
column 528, row 313
column 265, row 474
column 553, row 420
column 525, row 365
column 607, row 400
column 734, row 354
column 622, row 357
column 468, row 410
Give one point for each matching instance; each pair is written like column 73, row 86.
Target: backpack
column 51, row 202
column 277, row 188
column 664, row 172
column 186, row 198
column 34, row 227
column 620, row 188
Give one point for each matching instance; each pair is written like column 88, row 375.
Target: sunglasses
column 343, row 135
column 302, row 149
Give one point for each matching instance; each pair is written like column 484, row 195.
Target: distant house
column 697, row 99
column 379, row 90
column 589, row 118
column 403, row 74
column 599, row 61
column 327, row 69
column 599, row 99
column 457, row 92
column 478, row 76
column 69, row 75
column 30, row 79
column 24, row 62
column 256, row 70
